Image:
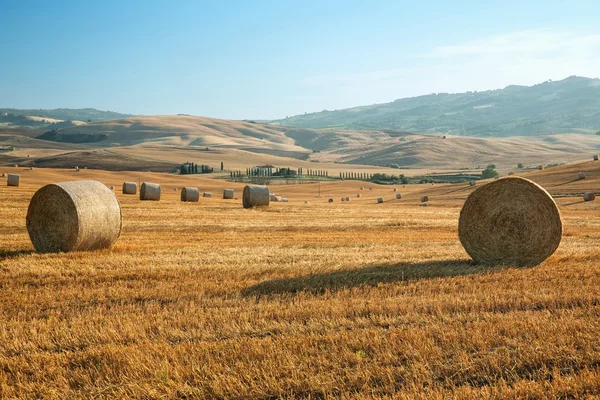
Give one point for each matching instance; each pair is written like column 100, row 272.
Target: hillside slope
column 569, row 105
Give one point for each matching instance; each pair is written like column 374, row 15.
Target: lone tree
column 520, row 165
column 489, row 172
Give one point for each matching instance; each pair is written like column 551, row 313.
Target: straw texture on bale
column 589, row 196
column 190, row 194
column 424, row 199
column 510, row 221
column 150, row 191
column 255, row 196
column 13, row 180
column 207, row 194
column 379, row 200
column 398, row 195
column 581, row 175
column 228, row 194
column 129, row 187
column 72, row 216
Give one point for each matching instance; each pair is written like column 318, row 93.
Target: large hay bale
column 129, row 187
column 379, row 200
column 255, row 195
column 398, row 196
column 13, row 180
column 510, row 221
column 424, row 199
column 596, row 157
column 228, row 194
column 71, row 216
column 190, row 194
column 589, row 196
column 150, row 191
column 581, row 175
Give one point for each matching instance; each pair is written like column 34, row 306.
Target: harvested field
column 211, row 300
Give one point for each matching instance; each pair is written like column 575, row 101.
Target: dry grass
column 302, row 301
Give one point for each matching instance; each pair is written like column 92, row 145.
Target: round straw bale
column 362, row 188
column 358, row 195
column 581, row 175
column 129, row 187
column 589, row 196
column 596, row 157
column 370, row 188
column 228, row 194
column 398, row 195
column 424, row 199
column 13, row 180
column 347, row 198
column 343, row 199
column 272, row 197
column 510, row 221
column 255, row 195
column 150, row 191
column 379, row 200
column 112, row 188
column 71, row 216
column 190, row 194
column 472, row 183
column 4, row 174
column 511, row 173
column 31, row 168
column 330, row 201
column 76, row 168
column 395, row 189
column 207, row 194
column 305, row 201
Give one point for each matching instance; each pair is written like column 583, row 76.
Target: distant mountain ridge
column 571, row 105
column 67, row 114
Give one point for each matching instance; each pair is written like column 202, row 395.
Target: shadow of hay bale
column 369, row 276
column 7, row 254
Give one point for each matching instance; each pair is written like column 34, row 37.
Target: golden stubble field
column 297, row 300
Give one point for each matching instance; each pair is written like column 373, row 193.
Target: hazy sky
column 269, row 59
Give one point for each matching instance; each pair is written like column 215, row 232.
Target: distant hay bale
column 370, row 188
column 424, row 199
column 255, row 196
column 581, row 175
column 330, row 201
column 207, row 194
column 16, row 165
column 395, row 189
column 589, row 196
column 76, row 168
column 228, row 194
column 347, row 198
column 272, row 197
column 31, row 168
column 4, row 174
column 305, row 201
column 379, row 200
column 129, row 188
column 362, row 188
column 510, row 221
column 343, row 199
column 150, row 191
column 472, row 183
column 511, row 173
column 112, row 188
column 284, row 200
column 358, row 195
column 596, row 158
column 398, row 196
column 174, row 189
column 190, row 194
column 73, row 216
column 13, row 180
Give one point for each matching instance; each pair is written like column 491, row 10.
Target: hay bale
column 362, row 188
column 358, row 195
column 150, row 191
column 112, row 188
column 190, row 194
column 31, row 168
column 305, row 201
column 370, row 188
column 4, row 174
column 272, row 197
column 228, row 194
column 347, row 198
column 510, row 221
column 207, row 194
column 511, row 173
column 424, row 199
column 589, row 196
column 72, row 216
column 330, row 201
column 596, row 158
column 343, row 199
column 379, row 200
column 13, row 180
column 76, row 168
column 395, row 189
column 472, row 183
column 284, row 200
column 255, row 195
column 398, row 196
column 581, row 175
column 129, row 187
column 16, row 165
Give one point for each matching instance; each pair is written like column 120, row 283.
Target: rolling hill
column 566, row 106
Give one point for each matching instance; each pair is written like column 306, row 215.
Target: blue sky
column 270, row 59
